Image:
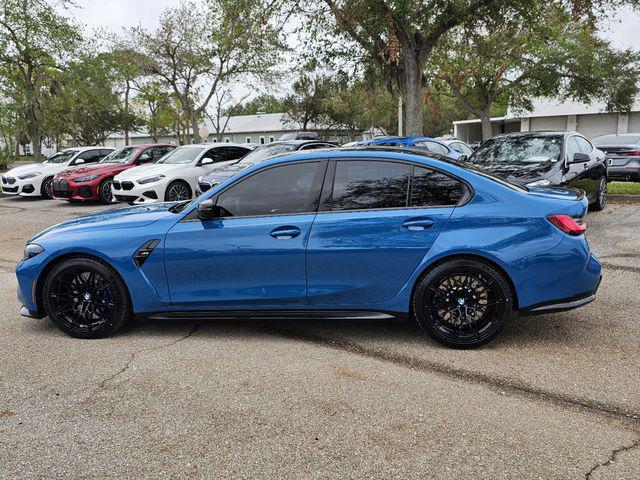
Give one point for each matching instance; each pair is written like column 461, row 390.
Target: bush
column 6, row 157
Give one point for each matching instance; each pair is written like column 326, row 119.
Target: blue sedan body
column 360, row 260
column 426, row 144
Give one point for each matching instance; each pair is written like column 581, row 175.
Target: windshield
column 61, row 157
column 262, row 153
column 521, row 149
column 181, row 155
column 123, row 155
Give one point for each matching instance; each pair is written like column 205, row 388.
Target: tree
column 34, row 41
column 306, row 103
column 86, row 105
column 544, row 51
column 224, row 107
column 201, row 45
column 163, row 113
column 262, row 104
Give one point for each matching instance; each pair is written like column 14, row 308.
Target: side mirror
column 579, row 158
column 207, row 210
column 144, row 158
column 463, row 158
column 206, row 161
column 79, row 161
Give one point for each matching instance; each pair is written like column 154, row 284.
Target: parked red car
column 93, row 182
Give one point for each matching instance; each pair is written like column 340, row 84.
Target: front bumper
column 131, row 192
column 25, row 312
column 29, row 187
column 64, row 189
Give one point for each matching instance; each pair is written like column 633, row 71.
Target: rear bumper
column 562, row 305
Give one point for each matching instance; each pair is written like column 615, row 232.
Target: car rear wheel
column 104, row 192
column 601, row 200
column 177, row 191
column 86, row 298
column 463, row 303
column 46, row 190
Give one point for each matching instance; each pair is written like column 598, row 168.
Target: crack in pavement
column 502, row 385
column 612, row 457
column 133, row 355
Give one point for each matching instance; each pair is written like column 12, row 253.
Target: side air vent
column 144, row 251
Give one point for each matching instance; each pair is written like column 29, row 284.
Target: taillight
column 567, row 224
column 634, row 153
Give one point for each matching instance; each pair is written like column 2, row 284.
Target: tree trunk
column 126, row 111
column 412, row 96
column 487, row 129
column 194, row 127
column 35, row 136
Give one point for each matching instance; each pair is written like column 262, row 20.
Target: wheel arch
column 466, row 256
column 61, row 258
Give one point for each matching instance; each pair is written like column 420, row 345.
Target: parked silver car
column 623, row 155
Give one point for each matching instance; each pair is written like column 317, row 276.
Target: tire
column 601, row 200
column 463, row 303
column 104, row 192
column 85, row 298
column 46, row 189
column 175, row 186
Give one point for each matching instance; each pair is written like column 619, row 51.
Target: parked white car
column 34, row 180
column 174, row 177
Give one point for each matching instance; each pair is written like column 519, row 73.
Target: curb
column 623, row 198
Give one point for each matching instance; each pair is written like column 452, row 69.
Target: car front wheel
column 104, row 192
column 463, row 303
column 177, row 191
column 46, row 190
column 86, row 298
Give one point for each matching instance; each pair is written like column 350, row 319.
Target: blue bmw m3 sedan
column 348, row 233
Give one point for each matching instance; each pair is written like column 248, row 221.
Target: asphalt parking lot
column 555, row 397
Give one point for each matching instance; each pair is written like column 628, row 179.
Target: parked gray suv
column 623, row 155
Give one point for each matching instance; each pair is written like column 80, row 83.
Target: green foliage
column 264, row 103
column 624, row 188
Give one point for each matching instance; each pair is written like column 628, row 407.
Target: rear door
column 377, row 220
column 585, row 175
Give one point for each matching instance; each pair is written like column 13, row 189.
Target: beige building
column 549, row 114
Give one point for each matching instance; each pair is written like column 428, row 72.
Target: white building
column 261, row 128
column 549, row 114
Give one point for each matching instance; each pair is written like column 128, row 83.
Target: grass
column 624, row 188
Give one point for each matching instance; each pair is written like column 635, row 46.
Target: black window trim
column 327, row 191
column 316, row 188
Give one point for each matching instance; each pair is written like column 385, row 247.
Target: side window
column 430, row 147
column 367, row 184
column 463, row 148
column 584, row 145
column 431, row 189
column 572, row 147
column 275, row 191
column 90, row 156
column 215, row 154
column 234, row 153
column 312, row 146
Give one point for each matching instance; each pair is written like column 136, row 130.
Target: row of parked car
column 142, row 174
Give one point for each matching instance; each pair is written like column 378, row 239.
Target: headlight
column 157, row 178
column 31, row 251
column 88, row 178
column 539, row 183
column 28, row 175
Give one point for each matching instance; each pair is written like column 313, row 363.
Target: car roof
column 297, row 142
column 543, row 133
column 82, row 149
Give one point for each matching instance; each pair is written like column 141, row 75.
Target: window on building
column 271, row 138
column 261, row 140
column 248, row 139
column 227, row 140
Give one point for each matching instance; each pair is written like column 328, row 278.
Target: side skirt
column 272, row 315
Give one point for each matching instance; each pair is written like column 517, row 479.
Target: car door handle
column 285, row 233
column 419, row 223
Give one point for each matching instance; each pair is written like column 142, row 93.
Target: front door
column 255, row 254
column 372, row 232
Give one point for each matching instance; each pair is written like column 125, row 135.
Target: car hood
column 519, row 173
column 97, row 169
column 138, row 216
column 149, row 170
column 34, row 167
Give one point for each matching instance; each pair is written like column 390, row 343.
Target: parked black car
column 541, row 159
column 261, row 153
column 623, row 155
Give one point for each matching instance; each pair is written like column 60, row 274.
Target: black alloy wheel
column 601, row 200
column 46, row 190
column 86, row 298
column 104, row 192
column 177, row 192
column 463, row 303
